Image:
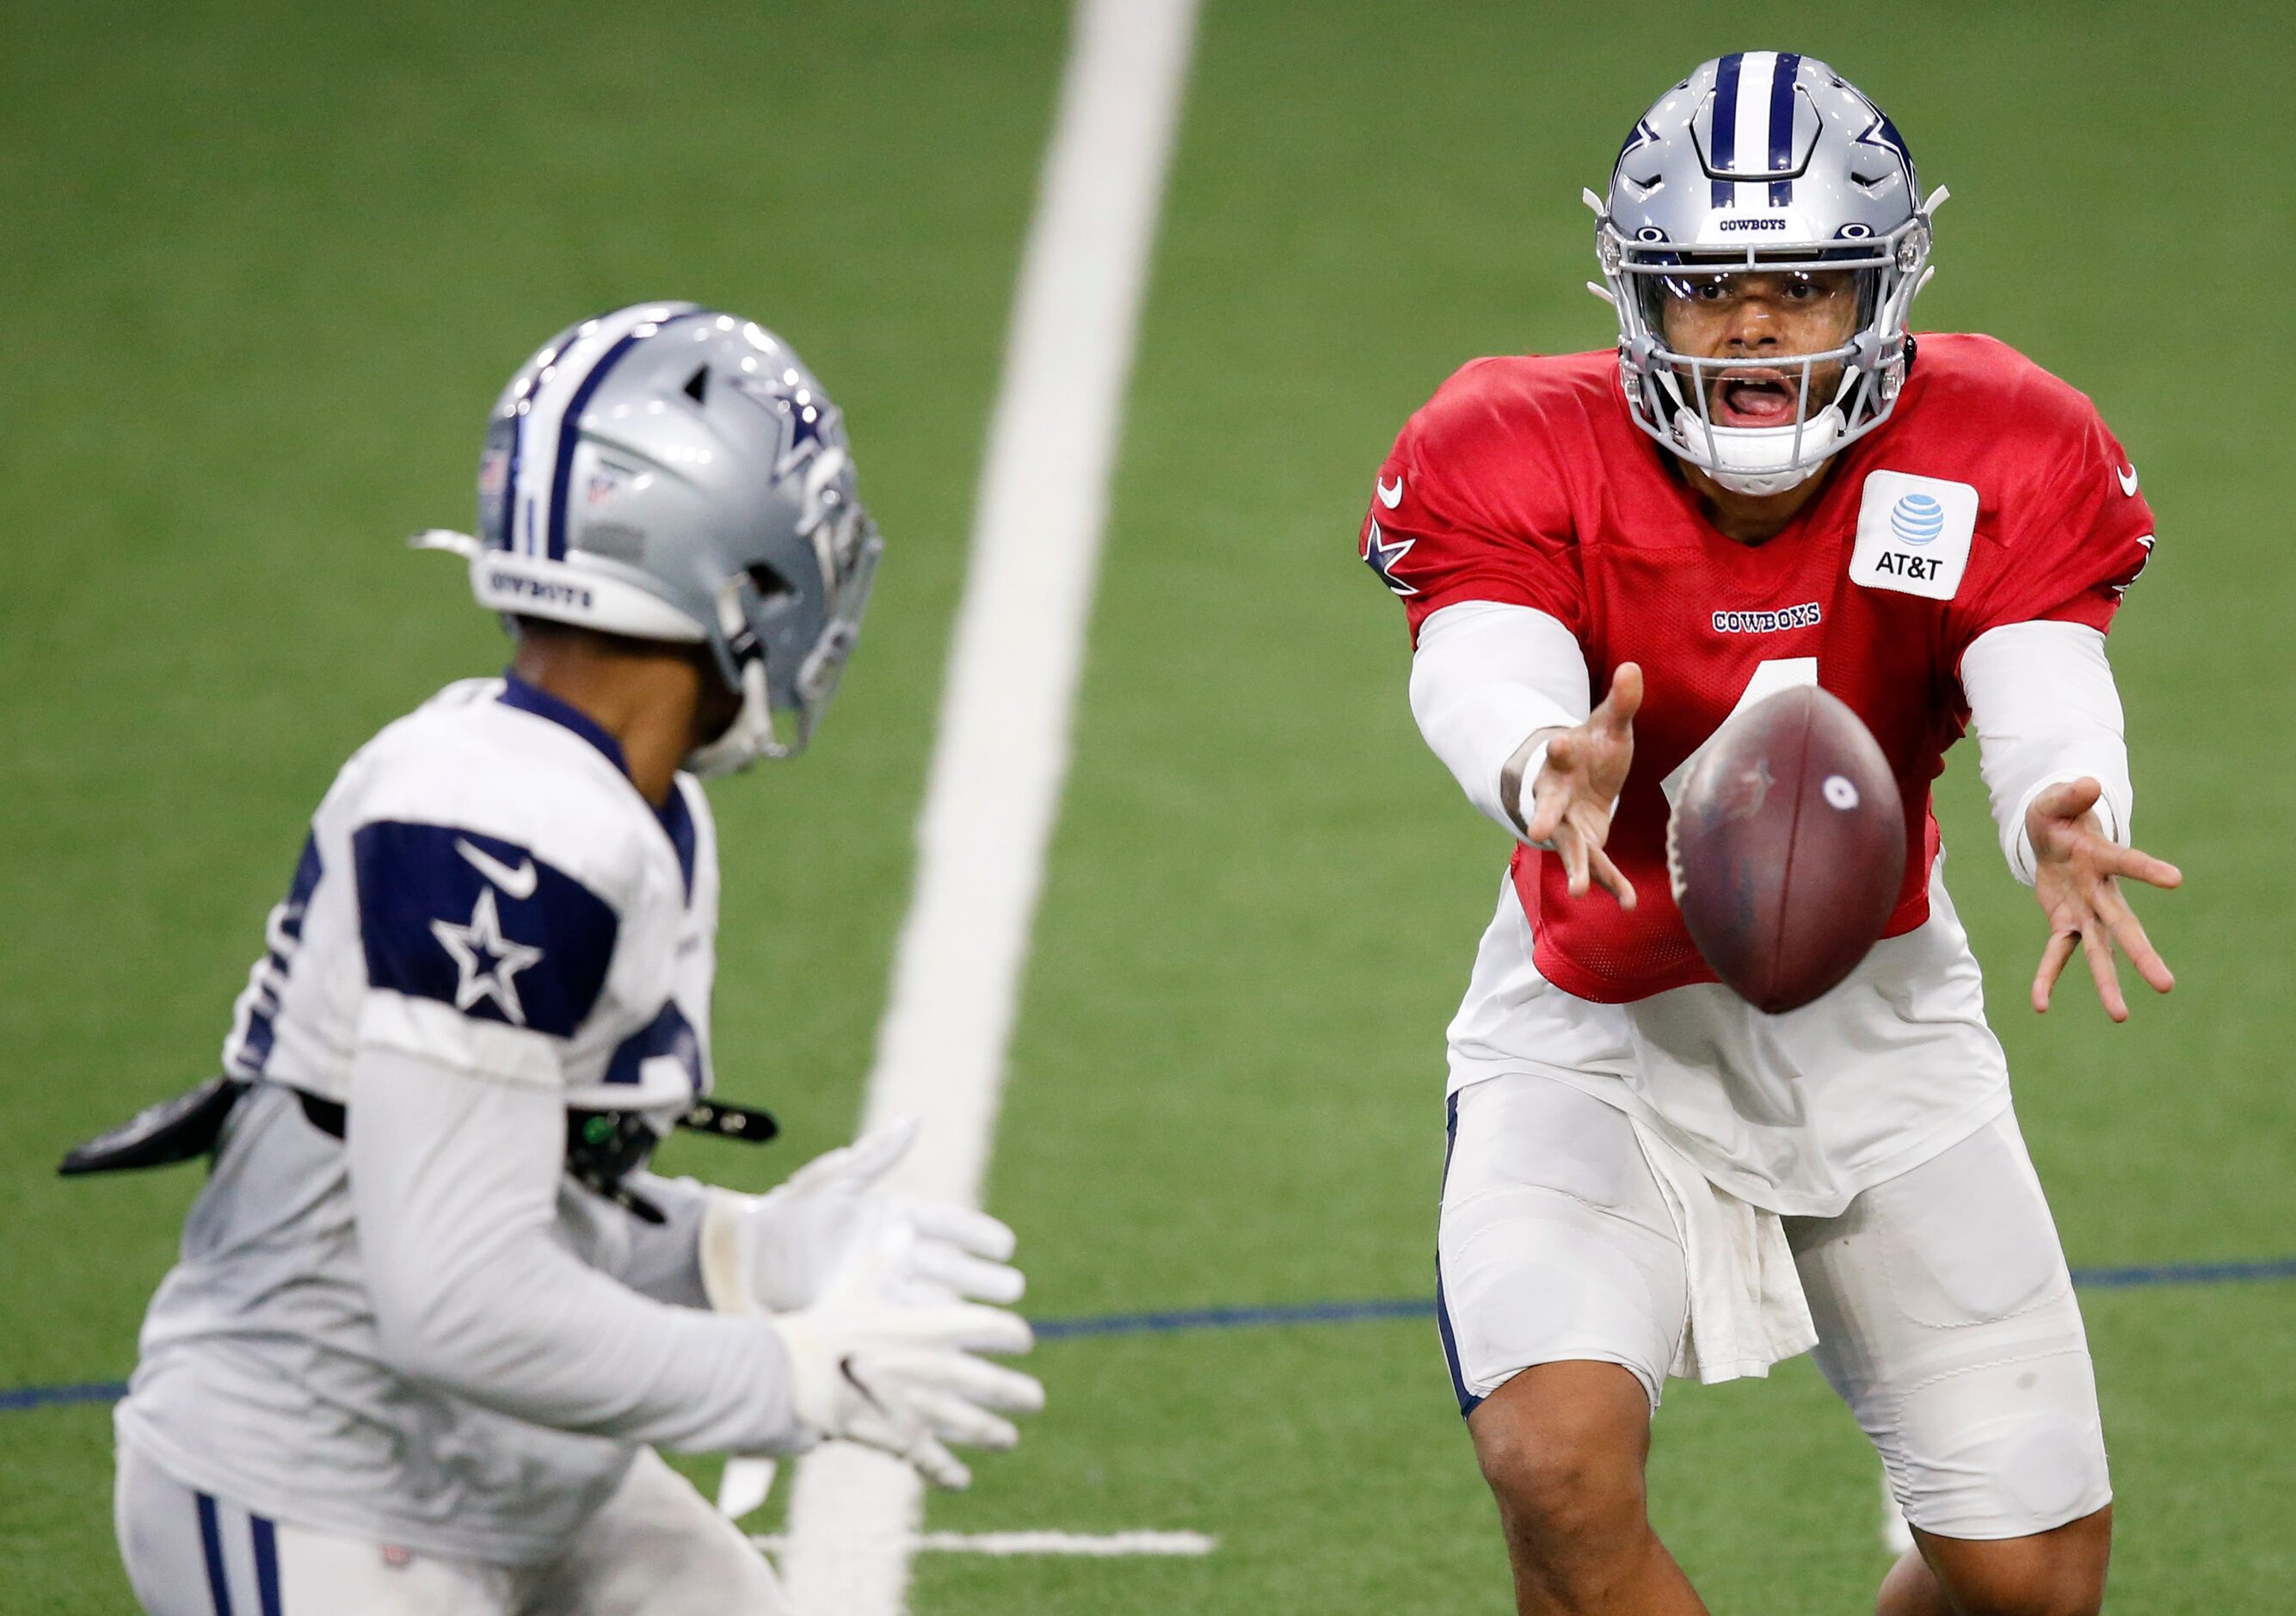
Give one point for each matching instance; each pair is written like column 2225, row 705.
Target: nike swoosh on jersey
column 1389, row 497
column 2128, row 480
column 517, row 884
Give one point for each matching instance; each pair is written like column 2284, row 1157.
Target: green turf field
column 266, row 266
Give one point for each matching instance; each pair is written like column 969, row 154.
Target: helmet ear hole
column 697, row 386
column 768, row 582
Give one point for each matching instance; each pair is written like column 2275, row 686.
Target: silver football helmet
column 1770, row 162
column 669, row 472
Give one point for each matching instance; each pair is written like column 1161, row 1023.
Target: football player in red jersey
column 1765, row 486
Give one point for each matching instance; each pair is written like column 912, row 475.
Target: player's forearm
column 454, row 1179
column 2045, row 709
column 1486, row 679
column 663, row 1260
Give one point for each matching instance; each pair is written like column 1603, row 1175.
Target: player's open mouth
column 1752, row 398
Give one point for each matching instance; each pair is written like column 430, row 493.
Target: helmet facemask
column 785, row 687
column 1840, row 393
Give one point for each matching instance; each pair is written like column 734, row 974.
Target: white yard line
column 1001, row 748
column 1095, row 1545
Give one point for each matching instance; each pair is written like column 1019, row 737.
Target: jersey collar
column 529, row 698
column 676, row 818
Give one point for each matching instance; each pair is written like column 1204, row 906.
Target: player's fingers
column 966, row 1275
column 958, row 1326
column 1572, row 846
column 2097, row 946
column 966, row 1424
column 904, row 1377
column 871, row 1156
column 936, row 1465
column 1624, row 699
column 965, row 1230
column 1545, row 814
column 2059, row 949
column 2138, row 866
column 1612, row 879
column 2067, row 799
column 976, row 1380
column 2130, row 933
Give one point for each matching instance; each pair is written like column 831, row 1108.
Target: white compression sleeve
column 454, row 1180
column 2045, row 711
column 663, row 1260
column 1486, row 677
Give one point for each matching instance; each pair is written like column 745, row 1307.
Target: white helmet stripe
column 545, row 420
column 1753, row 143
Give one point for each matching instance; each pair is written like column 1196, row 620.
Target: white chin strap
column 747, row 738
column 1760, row 459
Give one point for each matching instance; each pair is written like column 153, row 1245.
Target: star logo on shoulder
column 1384, row 558
column 488, row 962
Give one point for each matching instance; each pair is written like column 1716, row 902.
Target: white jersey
column 501, row 899
column 484, row 889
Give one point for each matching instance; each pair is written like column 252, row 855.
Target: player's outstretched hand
column 1577, row 788
column 880, row 1360
column 779, row 1251
column 2076, row 872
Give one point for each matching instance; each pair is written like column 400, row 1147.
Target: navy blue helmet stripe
column 570, row 425
column 1781, row 122
column 569, row 435
column 1725, row 155
column 1782, row 112
column 211, row 1550
column 510, row 478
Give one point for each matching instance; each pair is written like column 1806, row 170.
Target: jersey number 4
column 1770, row 677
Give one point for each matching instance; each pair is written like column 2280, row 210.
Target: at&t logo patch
column 1914, row 535
column 1918, row 519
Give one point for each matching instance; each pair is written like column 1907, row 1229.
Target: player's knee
column 1566, row 1469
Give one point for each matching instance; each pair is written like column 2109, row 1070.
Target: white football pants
column 655, row 1548
column 1945, row 1314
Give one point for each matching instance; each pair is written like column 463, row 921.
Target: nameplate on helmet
column 1914, row 535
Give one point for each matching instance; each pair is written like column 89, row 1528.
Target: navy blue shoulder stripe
column 481, row 924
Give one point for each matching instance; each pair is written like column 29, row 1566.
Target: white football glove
column 779, row 1251
column 882, row 1360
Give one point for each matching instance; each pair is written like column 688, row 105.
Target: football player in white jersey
column 432, row 1314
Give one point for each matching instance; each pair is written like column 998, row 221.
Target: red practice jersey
column 1994, row 495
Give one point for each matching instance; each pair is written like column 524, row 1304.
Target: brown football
column 1787, row 847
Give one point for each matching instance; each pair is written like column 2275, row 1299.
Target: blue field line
column 2184, row 1273
column 50, row 1397
column 1231, row 1318
column 1358, row 1312
column 1325, row 1313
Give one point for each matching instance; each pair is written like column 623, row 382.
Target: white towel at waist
column 1747, row 1310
